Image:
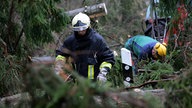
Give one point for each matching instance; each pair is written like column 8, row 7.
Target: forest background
column 35, row 28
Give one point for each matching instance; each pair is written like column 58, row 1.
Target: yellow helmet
column 80, row 22
column 161, row 49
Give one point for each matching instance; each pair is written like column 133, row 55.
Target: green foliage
column 24, row 24
column 124, row 18
column 159, row 67
column 40, row 18
column 177, row 60
column 10, row 76
column 83, row 93
column 154, row 71
column 30, row 21
column 168, row 8
column 116, row 74
column 59, row 93
column 129, row 8
column 179, row 91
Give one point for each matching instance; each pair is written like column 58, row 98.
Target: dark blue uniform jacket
column 90, row 49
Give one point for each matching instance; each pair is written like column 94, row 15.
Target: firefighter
column 91, row 56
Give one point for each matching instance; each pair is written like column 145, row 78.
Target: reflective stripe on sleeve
column 105, row 64
column 60, row 57
column 90, row 71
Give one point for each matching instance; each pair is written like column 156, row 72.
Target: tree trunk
column 92, row 11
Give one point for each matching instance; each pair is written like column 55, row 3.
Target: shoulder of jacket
column 69, row 39
column 98, row 36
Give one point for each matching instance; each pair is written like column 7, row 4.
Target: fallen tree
column 93, row 11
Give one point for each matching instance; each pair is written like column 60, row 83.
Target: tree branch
column 17, row 42
column 149, row 82
column 9, row 29
column 4, row 46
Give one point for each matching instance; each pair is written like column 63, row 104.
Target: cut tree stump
column 92, row 11
column 42, row 60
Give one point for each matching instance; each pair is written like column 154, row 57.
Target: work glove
column 59, row 70
column 102, row 75
column 58, row 66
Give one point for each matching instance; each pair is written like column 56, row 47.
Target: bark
column 15, row 99
column 92, row 11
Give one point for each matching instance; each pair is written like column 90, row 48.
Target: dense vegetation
column 28, row 28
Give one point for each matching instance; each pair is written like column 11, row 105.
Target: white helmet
column 80, row 22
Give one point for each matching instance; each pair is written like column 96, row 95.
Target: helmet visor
column 80, row 28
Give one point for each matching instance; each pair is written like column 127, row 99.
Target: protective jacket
column 141, row 46
column 88, row 52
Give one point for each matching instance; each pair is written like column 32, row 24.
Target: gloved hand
column 59, row 66
column 102, row 75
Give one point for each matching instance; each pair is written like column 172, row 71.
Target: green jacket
column 141, row 46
